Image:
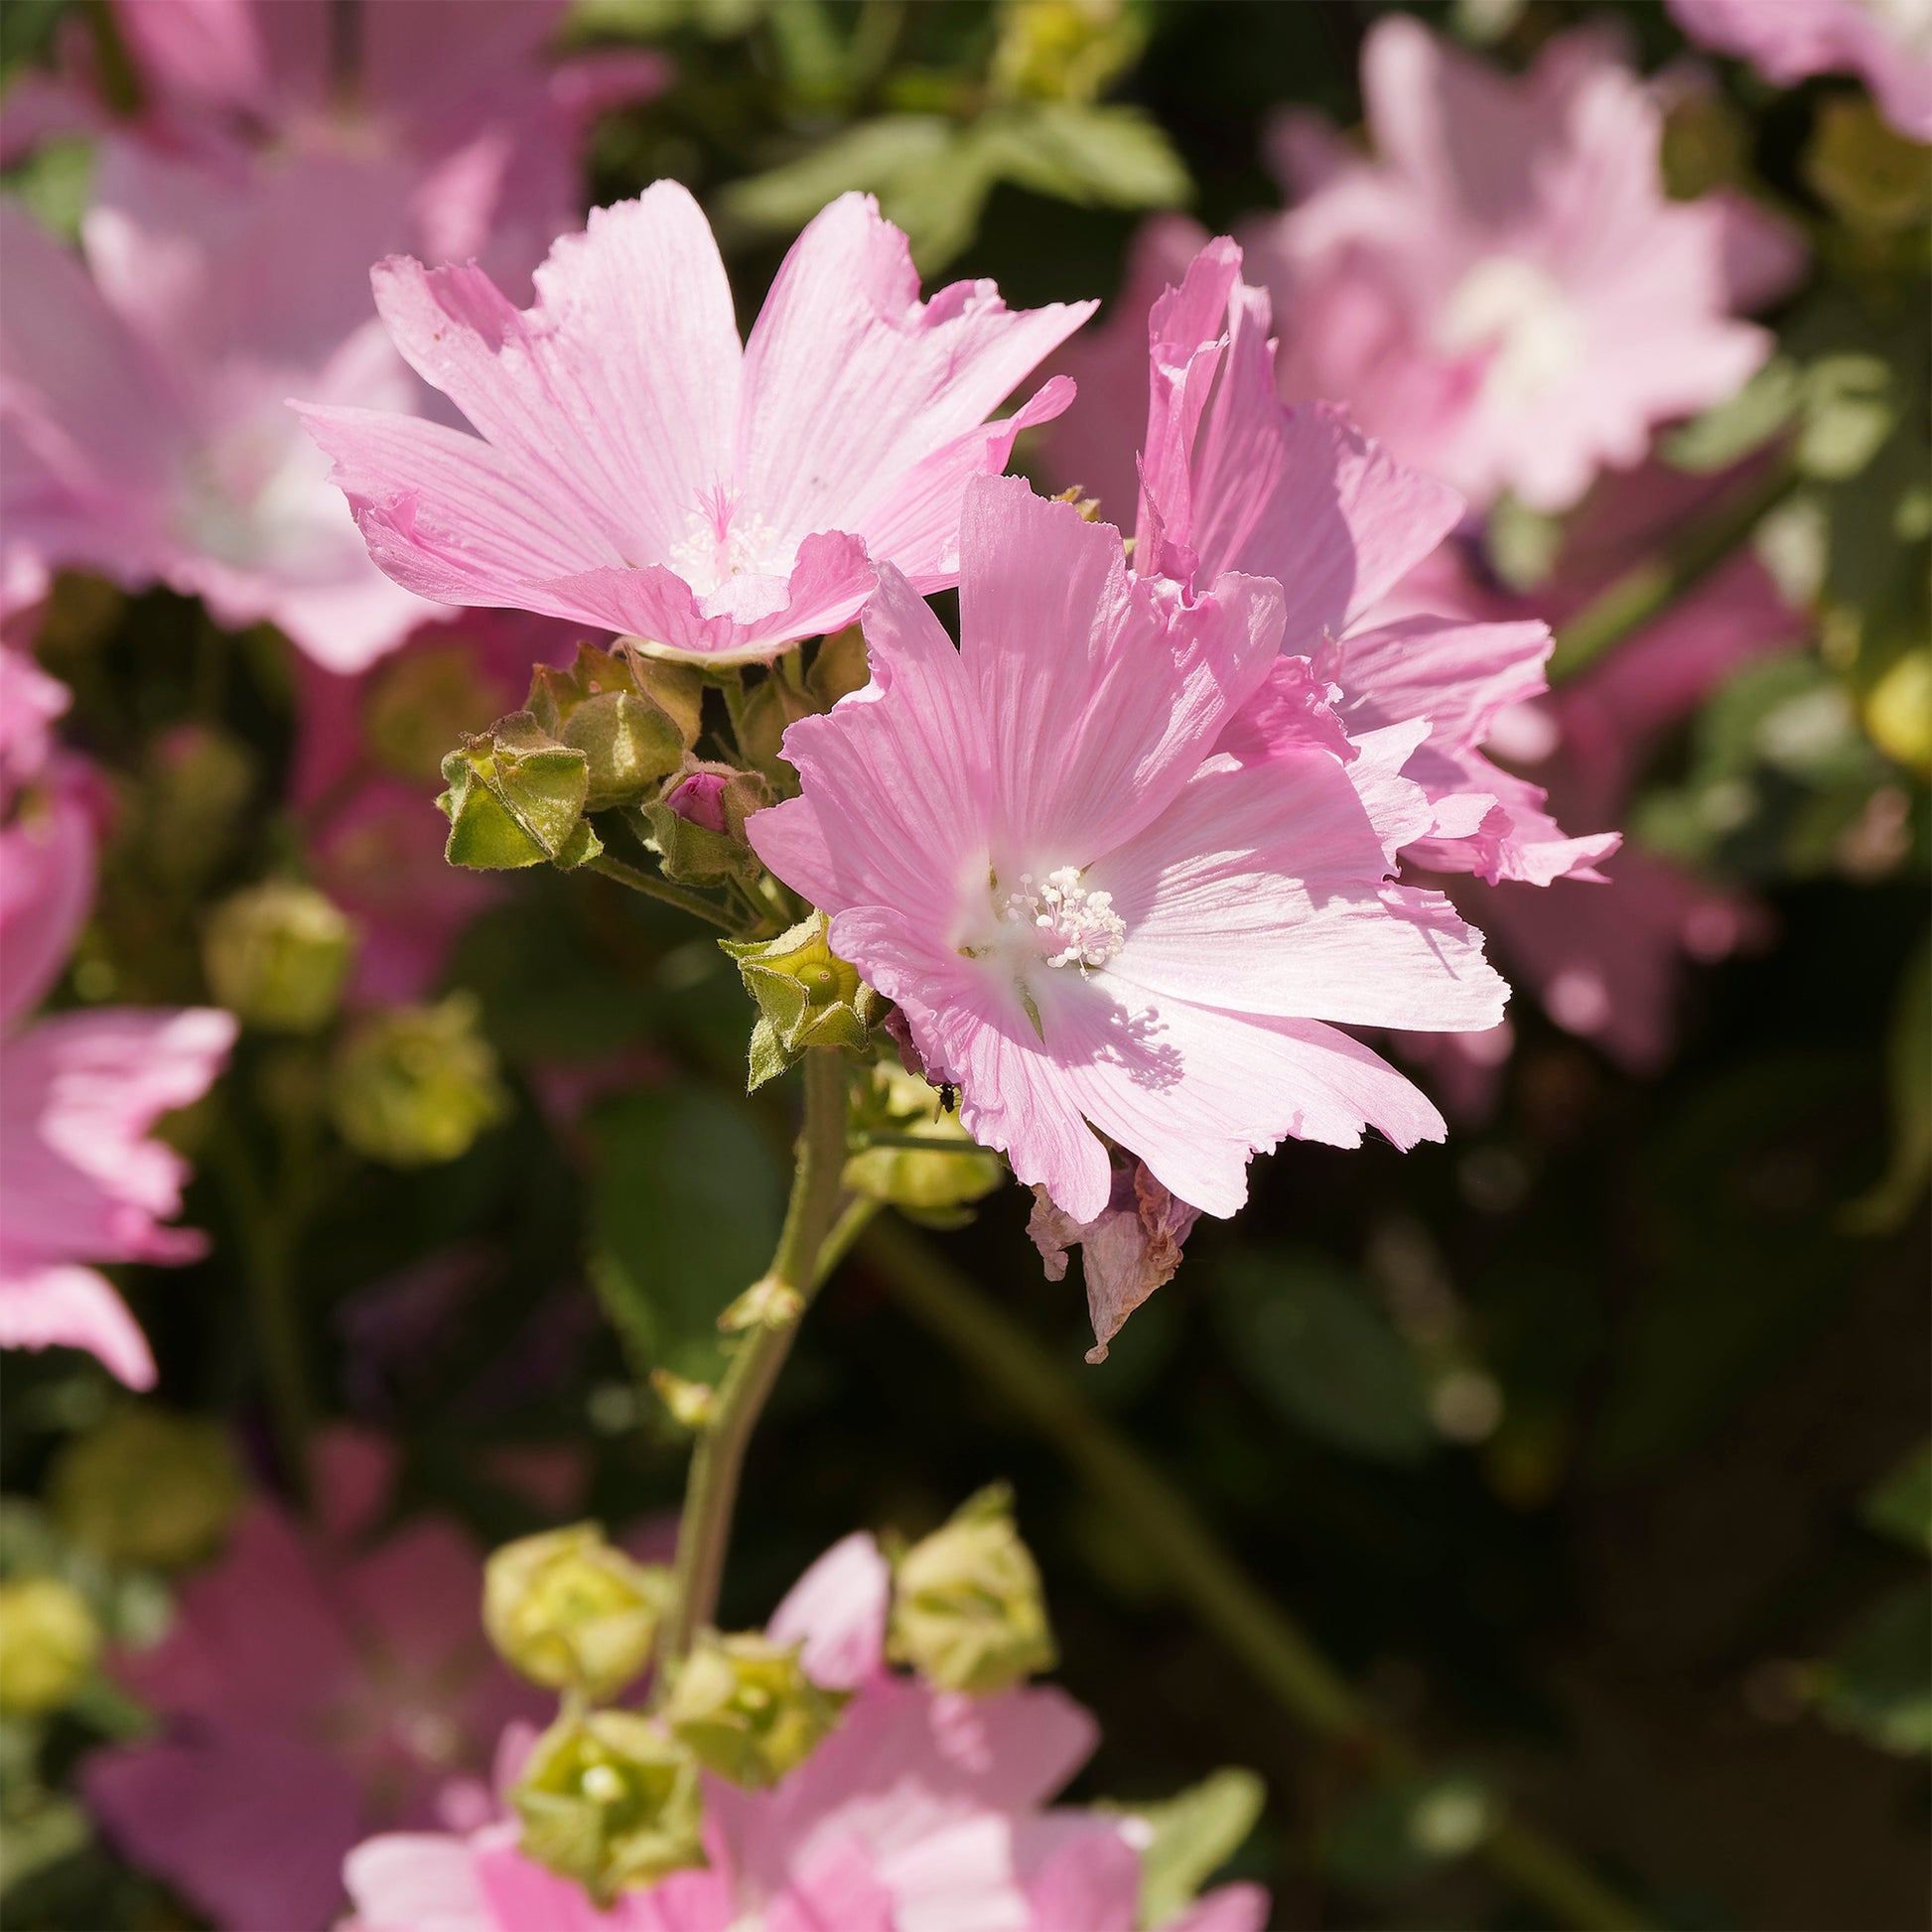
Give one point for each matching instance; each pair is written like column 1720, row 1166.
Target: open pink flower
column 922, row 1809
column 1505, row 295
column 1233, row 478
column 1084, row 914
column 80, row 1181
column 1887, row 43
column 316, row 1686
column 143, row 393
column 638, row 470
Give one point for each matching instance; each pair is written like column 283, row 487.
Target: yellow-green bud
column 276, row 956
column 421, row 702
column 1876, row 178
column 808, row 997
column 968, row 1614
column 1063, row 49
column 633, row 718
column 747, row 1709
column 517, row 798
column 48, row 1641
column 610, row 1800
column 148, row 1488
column 934, row 1187
column 412, row 1086
column 573, row 1614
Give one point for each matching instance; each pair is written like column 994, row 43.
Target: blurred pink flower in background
column 458, row 91
column 318, row 1684
column 1504, row 294
column 80, row 1181
column 922, row 1808
column 640, row 470
column 365, row 778
column 1886, row 43
column 1235, row 480
column 1086, row 914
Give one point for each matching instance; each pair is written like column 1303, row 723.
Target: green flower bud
column 610, row 1800
column 276, row 956
column 1877, row 178
column 1063, row 49
column 747, row 1709
column 571, row 1613
column 934, row 1187
column 807, row 996
column 412, row 1086
column 967, row 1609
column 421, row 702
column 148, row 1488
column 517, row 798
column 631, row 717
column 48, row 1641
column 840, row 667
column 769, row 710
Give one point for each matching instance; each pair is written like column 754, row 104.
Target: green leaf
column 1879, row 1684
column 1742, row 423
column 684, row 1210
column 1323, row 1355
column 1195, row 1832
column 872, row 156
column 1394, row 1833
column 1901, row 1505
column 1113, row 156
column 1849, row 412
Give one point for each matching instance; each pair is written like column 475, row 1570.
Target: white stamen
column 708, row 556
column 1080, row 923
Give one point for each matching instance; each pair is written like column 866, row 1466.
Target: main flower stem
column 1225, row 1598
column 711, row 1491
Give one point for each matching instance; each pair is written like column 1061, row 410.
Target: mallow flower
column 1089, row 918
column 1233, row 478
column 1505, row 294
column 640, row 470
column 81, row 1180
column 924, row 1808
column 1887, row 43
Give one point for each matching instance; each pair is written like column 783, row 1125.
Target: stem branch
column 641, row 881
column 1225, row 1598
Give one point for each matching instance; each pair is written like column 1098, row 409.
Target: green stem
column 1222, row 1596
column 711, row 1491
column 1646, row 590
column 266, row 1237
column 918, row 1142
column 660, row 889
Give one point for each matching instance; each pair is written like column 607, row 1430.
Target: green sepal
column 806, row 997
column 517, row 798
column 632, row 718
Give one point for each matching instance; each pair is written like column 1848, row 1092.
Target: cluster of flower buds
column 896, row 1117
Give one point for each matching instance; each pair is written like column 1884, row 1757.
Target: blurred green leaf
column 1108, row 156
column 1195, row 1832
column 1909, row 1073
column 1391, row 1834
column 1732, row 429
column 1315, row 1346
column 1879, row 1684
column 1901, row 1506
column 1849, row 409
column 685, row 1200
column 55, row 183
column 652, row 19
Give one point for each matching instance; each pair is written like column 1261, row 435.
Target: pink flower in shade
column 316, row 1685
column 923, row 1810
column 80, row 1181
column 460, row 91
column 1086, row 914
column 1505, row 295
column 638, row 470
column 1886, row 43
column 143, row 413
column 374, row 836
column 1233, row 478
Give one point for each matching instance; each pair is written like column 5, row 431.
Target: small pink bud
column 701, row 799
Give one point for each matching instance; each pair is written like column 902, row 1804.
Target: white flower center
column 1071, row 925
column 716, row 549
column 1523, row 315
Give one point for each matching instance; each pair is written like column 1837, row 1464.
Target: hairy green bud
column 571, row 1613
column 807, row 996
column 747, row 1709
column 517, row 798
column 631, row 717
column 277, row 956
column 148, row 1488
column 968, row 1614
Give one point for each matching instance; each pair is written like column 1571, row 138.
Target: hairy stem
column 1225, row 1598
column 711, row 1491
column 641, row 881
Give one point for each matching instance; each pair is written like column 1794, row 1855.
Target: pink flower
column 80, row 1180
column 142, row 395
column 640, row 471
column 922, row 1809
column 316, row 1686
column 1504, row 295
column 1235, row 480
column 1086, row 914
column 367, row 803
column 459, row 92
column 1886, row 43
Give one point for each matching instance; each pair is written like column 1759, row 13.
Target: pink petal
column 416, row 1882
column 60, row 1306
column 837, row 1611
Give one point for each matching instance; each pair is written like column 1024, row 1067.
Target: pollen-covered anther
column 1079, row 922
